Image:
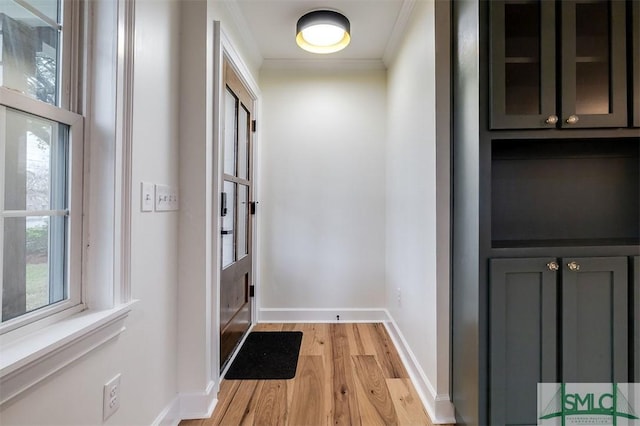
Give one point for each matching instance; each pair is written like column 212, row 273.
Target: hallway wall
column 145, row 353
column 322, row 208
column 417, row 192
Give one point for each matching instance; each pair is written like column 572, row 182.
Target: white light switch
column 166, row 198
column 147, row 197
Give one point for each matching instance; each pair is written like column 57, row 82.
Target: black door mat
column 267, row 355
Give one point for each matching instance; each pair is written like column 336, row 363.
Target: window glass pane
column 49, row 8
column 228, row 239
column 243, row 143
column 29, row 58
column 229, row 133
column 35, row 163
column 243, row 220
column 33, row 250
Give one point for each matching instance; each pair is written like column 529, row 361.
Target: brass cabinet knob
column 573, row 266
column 573, row 119
column 553, row 266
column 552, row 119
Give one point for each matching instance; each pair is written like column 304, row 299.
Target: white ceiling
column 271, row 25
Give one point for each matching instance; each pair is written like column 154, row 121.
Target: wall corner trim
column 198, row 405
column 438, row 406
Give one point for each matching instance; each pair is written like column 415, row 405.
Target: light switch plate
column 166, row 198
column 147, row 197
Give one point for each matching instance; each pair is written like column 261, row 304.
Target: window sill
column 31, row 359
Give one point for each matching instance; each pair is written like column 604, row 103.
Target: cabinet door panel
column 593, row 64
column 522, row 336
column 523, row 83
column 594, row 320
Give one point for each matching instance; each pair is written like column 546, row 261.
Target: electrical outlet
column 399, row 296
column 111, row 397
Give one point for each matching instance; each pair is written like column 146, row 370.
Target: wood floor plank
column 315, row 338
column 228, row 389
column 194, row 422
column 345, row 402
column 387, row 355
column 271, row 405
column 307, row 405
column 345, row 376
column 407, row 403
column 376, row 406
column 363, row 338
column 239, row 407
column 267, row 326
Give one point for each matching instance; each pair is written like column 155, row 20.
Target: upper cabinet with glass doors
column 558, row 64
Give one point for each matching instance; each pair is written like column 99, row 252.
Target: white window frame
column 48, row 345
column 73, row 255
column 66, row 112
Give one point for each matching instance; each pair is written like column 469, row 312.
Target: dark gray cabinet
column 582, row 336
column 523, row 336
column 595, row 321
column 590, row 65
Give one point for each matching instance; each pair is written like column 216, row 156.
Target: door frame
column 224, row 50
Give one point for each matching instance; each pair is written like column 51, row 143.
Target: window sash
column 73, row 255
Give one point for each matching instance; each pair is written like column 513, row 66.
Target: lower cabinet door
column 523, row 318
column 595, row 322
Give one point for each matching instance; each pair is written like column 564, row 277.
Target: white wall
column 145, row 354
column 417, row 214
column 322, row 208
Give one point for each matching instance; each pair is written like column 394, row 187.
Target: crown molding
column 397, row 34
column 243, row 29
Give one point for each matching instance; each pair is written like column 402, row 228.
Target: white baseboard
column 198, row 405
column 439, row 407
column 322, row 315
column 170, row 416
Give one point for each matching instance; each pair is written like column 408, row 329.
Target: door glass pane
column 592, row 58
column 228, row 245
column 243, row 220
column 522, row 58
column 229, row 133
column 243, row 142
column 29, row 56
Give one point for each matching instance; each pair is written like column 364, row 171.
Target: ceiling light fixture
column 323, row 31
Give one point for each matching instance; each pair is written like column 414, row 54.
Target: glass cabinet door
column 593, row 64
column 523, row 82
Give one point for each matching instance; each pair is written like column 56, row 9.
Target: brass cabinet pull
column 552, row 119
column 553, row 266
column 573, row 119
column 573, row 266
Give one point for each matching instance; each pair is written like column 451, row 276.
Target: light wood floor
column 348, row 374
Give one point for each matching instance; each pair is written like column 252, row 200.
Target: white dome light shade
column 323, row 31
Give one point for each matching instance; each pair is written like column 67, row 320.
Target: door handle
column 226, row 232
column 223, row 204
